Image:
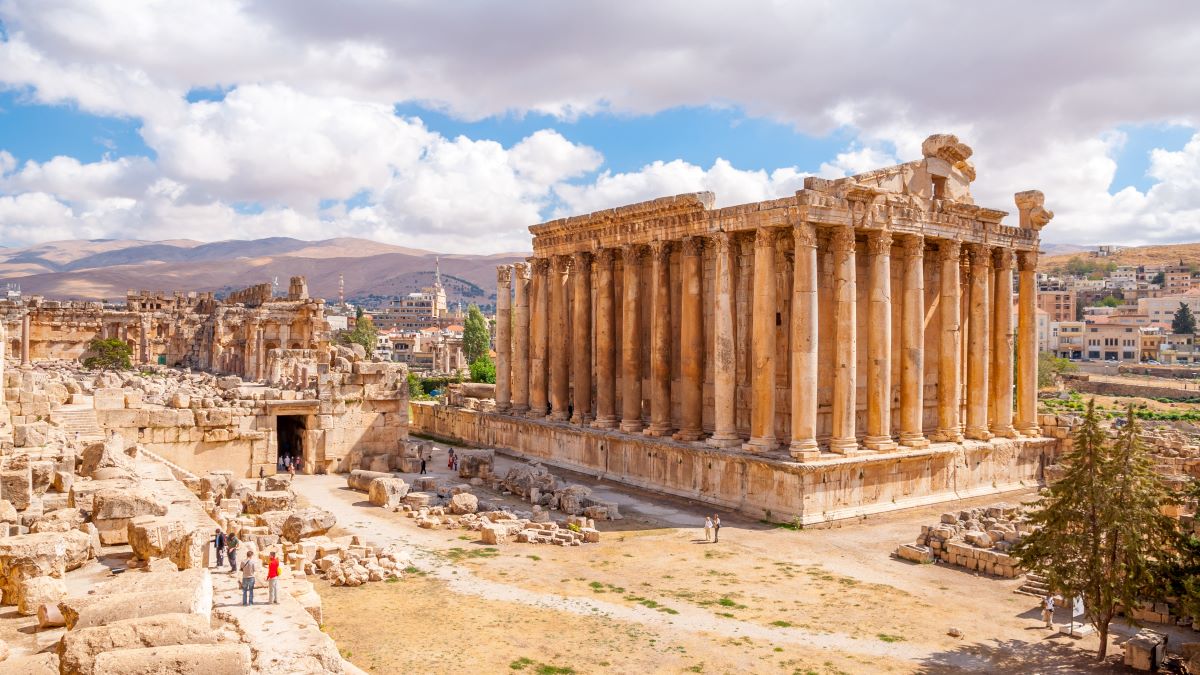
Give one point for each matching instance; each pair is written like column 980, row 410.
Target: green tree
column 1183, row 323
column 476, row 338
column 110, row 354
column 416, row 392
column 1160, row 278
column 1110, row 301
column 364, row 333
column 1100, row 532
column 483, row 370
column 1050, row 367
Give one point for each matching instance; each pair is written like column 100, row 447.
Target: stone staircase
column 79, row 416
column 1035, row 585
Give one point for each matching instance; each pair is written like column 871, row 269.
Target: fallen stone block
column 419, row 500
column 140, row 594
column 476, row 463
column 261, row 502
column 112, row 509
column 308, row 522
column 79, row 648
column 463, row 502
column 387, row 491
column 36, row 664
column 360, row 479
column 44, row 554
column 31, row 593
column 915, row 553
column 109, row 454
column 59, row 520
column 16, row 486
column 208, row 659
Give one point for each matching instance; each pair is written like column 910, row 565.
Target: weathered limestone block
column 261, row 502
column 419, row 500
column 8, row 514
column 215, row 483
column 30, row 434
column 387, row 492
column 34, row 592
column 16, row 486
column 59, row 520
column 308, row 522
column 109, row 398
column 79, row 648
column 463, row 502
column 272, row 520
column 280, row 481
column 39, row 555
column 113, row 508
column 360, row 479
column 108, row 454
column 36, row 664
column 476, row 463
column 152, row 536
column 304, row 593
column 205, row 659
column 141, row 594
column 915, row 553
column 41, row 476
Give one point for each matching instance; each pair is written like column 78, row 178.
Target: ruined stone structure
column 194, row 330
column 867, row 318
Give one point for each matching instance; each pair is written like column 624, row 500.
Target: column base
column 657, row 430
column 688, row 435
column 724, row 440
column 844, row 446
column 585, row 420
column 805, row 450
column 559, row 416
column 765, row 444
column 1004, row 432
column 503, row 408
column 914, row 441
column 606, row 422
column 1030, row 430
column 978, row 434
column 631, row 426
column 946, row 436
column 536, row 414
column 518, row 410
column 879, row 443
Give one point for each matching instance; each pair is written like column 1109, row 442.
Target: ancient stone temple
column 859, row 320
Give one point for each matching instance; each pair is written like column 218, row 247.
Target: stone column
column 260, row 366
column 660, row 345
column 804, row 344
column 724, row 357
column 879, row 344
column 842, row 439
column 762, row 343
column 631, row 341
column 1002, row 346
column 1027, row 346
column 539, row 317
column 950, row 346
column 581, row 349
column 144, row 342
column 691, row 340
column 912, row 346
column 25, row 327
column 560, row 340
column 520, row 346
column 606, row 359
column 3, row 349
column 503, row 338
column 978, row 349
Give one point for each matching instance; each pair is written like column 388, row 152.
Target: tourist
column 232, row 543
column 450, row 459
column 716, row 528
column 248, row 569
column 1048, row 610
column 262, row 473
column 708, row 529
column 219, row 542
column 422, row 465
column 272, row 580
column 454, row 464
column 292, row 469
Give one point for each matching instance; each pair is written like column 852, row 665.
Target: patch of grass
column 886, row 637
column 727, row 615
column 597, row 587
column 698, row 668
column 456, row 554
column 782, row 624
column 521, row 663
column 534, row 558
column 346, row 653
column 546, row 669
column 392, row 580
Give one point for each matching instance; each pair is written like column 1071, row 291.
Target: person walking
column 292, row 469
column 1048, row 610
column 450, row 459
column 249, row 567
column 219, row 543
column 422, row 465
column 273, row 579
column 708, row 527
column 716, row 528
column 262, row 473
column 232, row 542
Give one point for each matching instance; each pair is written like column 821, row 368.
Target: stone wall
column 759, row 486
column 1086, row 385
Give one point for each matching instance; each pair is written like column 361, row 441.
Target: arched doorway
column 289, row 439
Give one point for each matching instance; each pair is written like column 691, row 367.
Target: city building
column 1059, row 305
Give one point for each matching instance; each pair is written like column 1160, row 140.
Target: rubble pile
column 978, row 539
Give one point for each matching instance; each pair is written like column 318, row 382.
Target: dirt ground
column 654, row 597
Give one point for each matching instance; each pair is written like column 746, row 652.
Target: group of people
column 452, row 461
column 712, row 528
column 288, row 463
column 229, row 544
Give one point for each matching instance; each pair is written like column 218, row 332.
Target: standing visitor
column 292, row 469
column 219, row 542
column 422, row 465
column 232, row 542
column 248, row 569
column 708, row 528
column 716, row 528
column 1048, row 610
column 450, row 459
column 272, row 580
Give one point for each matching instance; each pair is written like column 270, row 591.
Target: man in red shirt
column 273, row 579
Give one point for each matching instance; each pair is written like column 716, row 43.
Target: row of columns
column 537, row 358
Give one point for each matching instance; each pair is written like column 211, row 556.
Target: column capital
column 1002, row 258
column 841, row 239
column 581, row 258
column 632, row 253
column 521, row 271
column 692, row 246
column 660, row 250
column 562, row 263
column 1027, row 261
column 766, row 236
column 980, row 255
column 949, row 249
column 605, row 256
column 723, row 241
column 504, row 275
column 804, row 234
column 879, row 242
column 914, row 246
column 539, row 265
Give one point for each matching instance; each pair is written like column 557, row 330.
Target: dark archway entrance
column 289, row 430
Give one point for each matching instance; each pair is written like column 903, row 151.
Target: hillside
column 1161, row 254
column 107, row 269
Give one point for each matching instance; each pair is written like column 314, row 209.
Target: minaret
column 437, row 272
column 341, row 290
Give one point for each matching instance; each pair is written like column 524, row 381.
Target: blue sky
column 456, row 126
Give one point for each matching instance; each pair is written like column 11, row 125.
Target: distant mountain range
column 106, row 269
